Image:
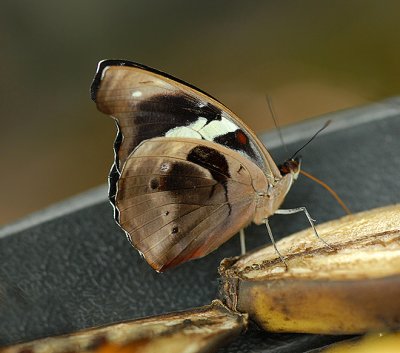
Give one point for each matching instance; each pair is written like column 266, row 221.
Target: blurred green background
column 312, row 57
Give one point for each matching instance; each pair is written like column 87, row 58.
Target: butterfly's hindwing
column 181, row 198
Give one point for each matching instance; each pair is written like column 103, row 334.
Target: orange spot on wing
column 241, row 137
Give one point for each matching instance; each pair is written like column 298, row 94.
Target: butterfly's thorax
column 268, row 201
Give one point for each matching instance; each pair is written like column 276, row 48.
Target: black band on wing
column 177, row 109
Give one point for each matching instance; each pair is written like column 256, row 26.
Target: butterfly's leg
column 303, row 209
column 242, row 241
column 273, row 241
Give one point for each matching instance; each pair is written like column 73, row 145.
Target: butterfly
column 188, row 173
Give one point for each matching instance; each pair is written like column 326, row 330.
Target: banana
column 372, row 343
column 201, row 329
column 350, row 286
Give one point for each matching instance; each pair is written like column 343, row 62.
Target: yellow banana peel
column 351, row 286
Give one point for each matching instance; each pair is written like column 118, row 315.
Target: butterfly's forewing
column 181, row 198
column 147, row 103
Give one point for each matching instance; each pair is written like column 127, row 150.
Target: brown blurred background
column 312, row 57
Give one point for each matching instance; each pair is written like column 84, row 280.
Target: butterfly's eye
column 290, row 166
column 284, row 169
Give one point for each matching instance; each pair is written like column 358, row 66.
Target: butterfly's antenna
column 274, row 118
column 330, row 190
column 312, row 138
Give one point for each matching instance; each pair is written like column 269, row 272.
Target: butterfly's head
column 291, row 166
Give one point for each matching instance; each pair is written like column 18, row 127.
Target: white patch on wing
column 217, row 128
column 183, row 131
column 201, row 130
column 136, row 94
column 189, row 130
column 198, row 124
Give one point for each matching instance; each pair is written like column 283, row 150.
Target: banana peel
column 351, row 286
column 381, row 342
column 202, row 329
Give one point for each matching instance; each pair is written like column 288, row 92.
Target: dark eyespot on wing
column 237, row 140
column 177, row 177
column 180, row 176
column 154, row 184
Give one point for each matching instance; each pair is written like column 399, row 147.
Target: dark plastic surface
column 77, row 270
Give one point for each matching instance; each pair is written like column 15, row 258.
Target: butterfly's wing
column 181, row 198
column 147, row 103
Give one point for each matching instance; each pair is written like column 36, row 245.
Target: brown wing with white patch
column 147, row 103
column 179, row 198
